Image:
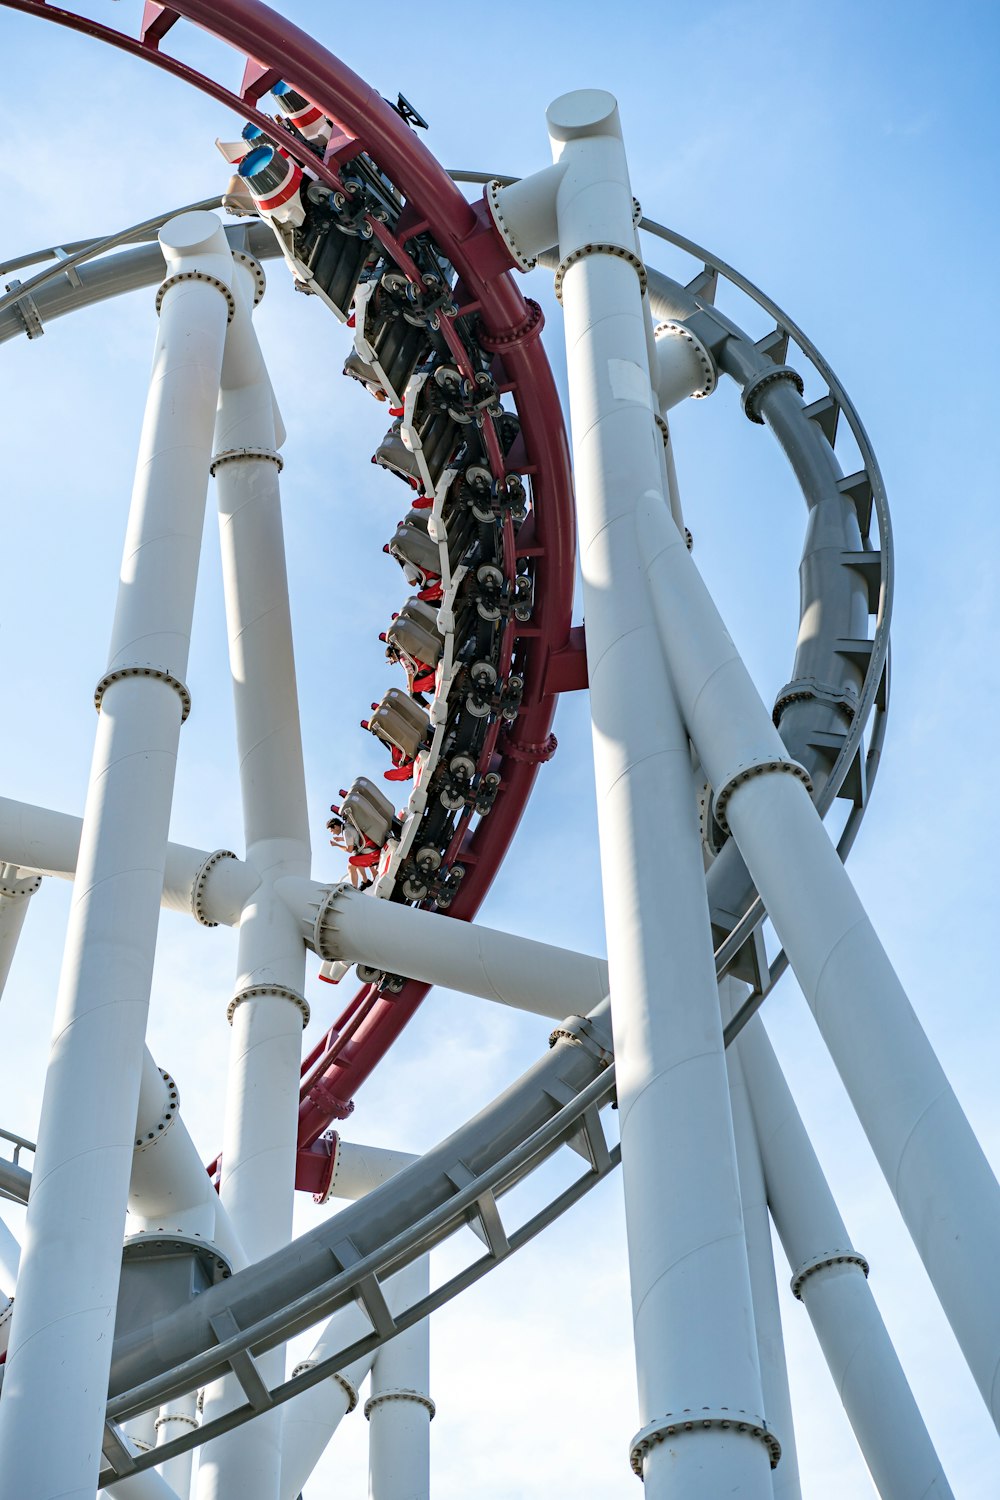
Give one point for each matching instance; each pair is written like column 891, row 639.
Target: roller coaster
column 710, row 812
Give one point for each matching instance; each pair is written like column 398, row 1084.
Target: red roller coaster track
column 273, row 48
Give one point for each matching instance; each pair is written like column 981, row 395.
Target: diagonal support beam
column 346, row 925
column 40, row 841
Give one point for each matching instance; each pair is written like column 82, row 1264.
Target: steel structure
column 710, row 816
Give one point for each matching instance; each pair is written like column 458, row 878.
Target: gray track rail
column 838, row 690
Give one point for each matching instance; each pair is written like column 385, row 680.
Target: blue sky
column 845, row 160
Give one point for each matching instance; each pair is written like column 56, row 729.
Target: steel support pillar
column 830, row 1278
column 932, row 1161
column 760, row 1256
column 15, row 893
column 10, row 1258
column 268, row 1010
column 173, row 1421
column 695, row 1345
column 310, row 1420
column 345, row 924
column 52, row 1413
column 399, row 1408
column 212, row 887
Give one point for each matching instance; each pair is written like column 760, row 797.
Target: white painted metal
column 258, row 1164
column 170, row 1188
column 6, row 1313
column 360, row 1169
column 463, row 956
column 399, row 1408
column 931, row 1159
column 47, row 843
column 146, row 1485
column 683, row 367
column 760, row 1257
column 58, row 1362
column 856, row 1345
column 10, row 1258
column 695, row 1344
column 173, row 1421
column 141, row 1431
column 267, row 1012
column 310, row 1420
column 14, row 898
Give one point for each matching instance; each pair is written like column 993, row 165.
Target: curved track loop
column 839, row 684
column 436, row 221
column 838, row 759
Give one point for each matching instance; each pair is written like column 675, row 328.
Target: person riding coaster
column 362, row 854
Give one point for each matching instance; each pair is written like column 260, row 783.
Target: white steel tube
column 15, row 893
column 830, row 1278
column 310, row 1420
column 360, row 1169
column 262, row 659
column 399, row 1408
column 463, row 956
column 146, row 1485
column 932, row 1161
column 694, row 1335
column 10, row 1258
column 47, row 843
column 6, row 1313
column 170, row 1189
column 268, row 1010
column 760, row 1255
column 174, row 1421
column 58, row 1363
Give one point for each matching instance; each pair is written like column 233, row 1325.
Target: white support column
column 399, row 1408
column 694, row 1335
column 15, row 893
column 6, row 1313
column 147, row 1484
column 212, row 887
column 268, row 1010
column 345, row 924
column 932, row 1161
column 52, row 1413
column 830, row 1278
column 310, row 1420
column 10, row 1258
column 174, row 1421
column 760, row 1256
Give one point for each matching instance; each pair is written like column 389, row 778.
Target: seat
column 370, row 811
column 358, row 370
column 400, row 723
column 412, row 544
column 414, row 633
column 393, row 454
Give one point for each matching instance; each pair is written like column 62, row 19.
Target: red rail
column 272, row 46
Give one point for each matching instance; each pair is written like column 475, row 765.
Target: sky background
column 843, row 158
